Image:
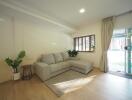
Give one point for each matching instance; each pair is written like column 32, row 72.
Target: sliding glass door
column 128, row 52
column 120, row 52
column 116, row 52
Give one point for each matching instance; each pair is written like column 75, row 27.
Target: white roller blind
column 124, row 21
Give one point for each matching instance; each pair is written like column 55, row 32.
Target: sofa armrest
column 42, row 70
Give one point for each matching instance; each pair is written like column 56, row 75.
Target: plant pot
column 16, row 76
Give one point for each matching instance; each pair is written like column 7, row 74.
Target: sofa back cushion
column 48, row 59
column 65, row 56
column 58, row 57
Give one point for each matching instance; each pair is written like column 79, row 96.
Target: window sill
column 87, row 51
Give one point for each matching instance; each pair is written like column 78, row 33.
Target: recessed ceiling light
column 82, row 10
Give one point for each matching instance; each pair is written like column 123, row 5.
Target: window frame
column 81, row 37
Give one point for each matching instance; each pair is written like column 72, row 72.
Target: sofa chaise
column 50, row 65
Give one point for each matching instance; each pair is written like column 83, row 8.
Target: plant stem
column 16, row 70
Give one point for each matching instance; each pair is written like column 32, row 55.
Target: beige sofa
column 53, row 64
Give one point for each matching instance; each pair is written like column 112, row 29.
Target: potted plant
column 15, row 63
column 72, row 53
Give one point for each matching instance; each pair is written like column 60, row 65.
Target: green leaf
column 15, row 63
column 21, row 55
column 9, row 61
column 72, row 53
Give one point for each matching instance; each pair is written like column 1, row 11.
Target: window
column 118, row 40
column 84, row 43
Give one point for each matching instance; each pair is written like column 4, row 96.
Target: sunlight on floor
column 73, row 85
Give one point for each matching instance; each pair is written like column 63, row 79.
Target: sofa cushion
column 48, row 59
column 80, row 64
column 59, row 66
column 58, row 57
column 65, row 56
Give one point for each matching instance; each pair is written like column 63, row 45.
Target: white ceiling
column 65, row 12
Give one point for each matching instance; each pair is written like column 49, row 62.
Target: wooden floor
column 102, row 87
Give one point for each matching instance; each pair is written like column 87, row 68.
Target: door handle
column 126, row 47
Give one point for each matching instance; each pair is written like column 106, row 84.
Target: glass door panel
column 128, row 66
column 116, row 52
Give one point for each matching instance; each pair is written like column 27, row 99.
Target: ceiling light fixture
column 82, row 10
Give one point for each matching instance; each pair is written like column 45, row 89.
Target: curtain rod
column 128, row 12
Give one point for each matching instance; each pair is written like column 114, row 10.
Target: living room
column 35, row 29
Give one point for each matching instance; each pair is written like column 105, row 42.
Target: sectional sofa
column 50, row 65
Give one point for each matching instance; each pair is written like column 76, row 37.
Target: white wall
column 33, row 36
column 35, row 39
column 94, row 28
